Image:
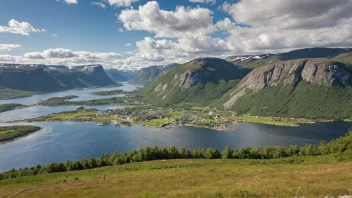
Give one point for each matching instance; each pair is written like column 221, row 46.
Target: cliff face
column 315, row 71
column 49, row 79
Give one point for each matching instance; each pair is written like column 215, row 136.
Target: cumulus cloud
column 99, row 4
column 171, row 24
column 285, row 24
column 69, row 57
column 15, row 27
column 8, row 47
column 68, row 1
column 212, row 2
column 121, row 3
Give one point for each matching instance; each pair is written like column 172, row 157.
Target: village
column 165, row 118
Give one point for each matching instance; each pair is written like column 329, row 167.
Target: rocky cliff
column 315, row 71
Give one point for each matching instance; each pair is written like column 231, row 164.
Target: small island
column 9, row 107
column 10, row 133
column 109, row 93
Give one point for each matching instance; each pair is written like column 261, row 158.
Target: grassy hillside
column 304, row 101
column 290, row 177
column 198, row 82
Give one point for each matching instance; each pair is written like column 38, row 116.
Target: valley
column 204, row 103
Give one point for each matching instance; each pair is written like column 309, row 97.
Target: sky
column 132, row 34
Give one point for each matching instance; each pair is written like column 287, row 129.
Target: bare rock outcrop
column 317, row 71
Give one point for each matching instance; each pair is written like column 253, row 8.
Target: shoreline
column 18, row 138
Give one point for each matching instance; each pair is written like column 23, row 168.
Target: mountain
column 308, row 88
column 146, row 75
column 197, row 82
column 50, row 79
column 253, row 61
column 120, row 75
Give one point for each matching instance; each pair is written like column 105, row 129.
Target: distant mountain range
column 343, row 55
column 120, row 75
column 42, row 78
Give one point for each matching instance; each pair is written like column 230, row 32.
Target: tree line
column 336, row 146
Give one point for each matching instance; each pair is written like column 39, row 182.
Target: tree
column 227, row 153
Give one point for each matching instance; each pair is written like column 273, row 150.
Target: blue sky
column 87, row 33
column 78, row 26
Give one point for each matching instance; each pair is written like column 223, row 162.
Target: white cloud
column 8, row 47
column 15, row 27
column 121, row 30
column 171, row 24
column 68, row 57
column 68, row 1
column 284, row 24
column 7, row 58
column 99, row 4
column 212, row 2
column 121, row 3
column 128, row 44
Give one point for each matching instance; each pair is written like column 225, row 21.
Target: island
column 10, row 133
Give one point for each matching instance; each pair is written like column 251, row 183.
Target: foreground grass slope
column 289, row 177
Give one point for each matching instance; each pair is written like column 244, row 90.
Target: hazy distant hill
column 50, row 79
column 146, row 75
column 120, row 75
column 199, row 81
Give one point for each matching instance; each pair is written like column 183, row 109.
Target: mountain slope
column 253, row 61
column 197, row 82
column 309, row 88
column 45, row 79
column 146, row 75
column 119, row 75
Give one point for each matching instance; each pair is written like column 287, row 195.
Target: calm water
column 59, row 141
column 83, row 94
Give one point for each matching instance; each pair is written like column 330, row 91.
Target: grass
column 10, row 133
column 264, row 120
column 9, row 107
column 66, row 116
column 108, row 93
column 156, row 122
column 7, row 94
column 288, row 177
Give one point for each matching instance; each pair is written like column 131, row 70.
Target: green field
column 306, row 176
column 9, row 133
column 264, row 120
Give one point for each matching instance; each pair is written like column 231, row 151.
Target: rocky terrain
column 343, row 55
column 316, row 71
